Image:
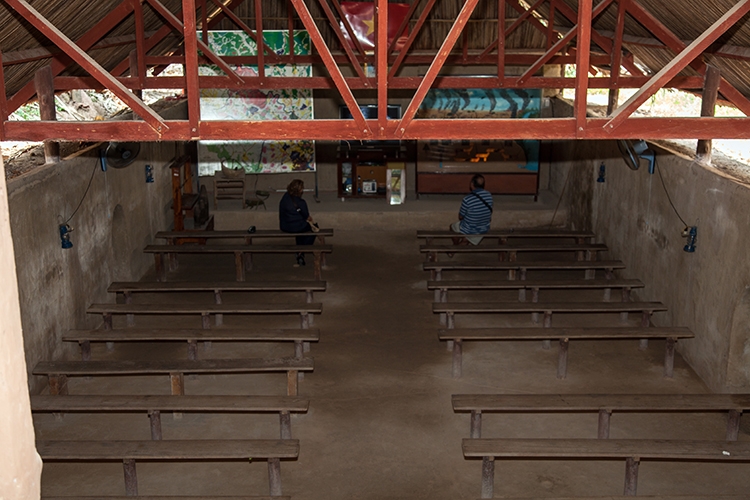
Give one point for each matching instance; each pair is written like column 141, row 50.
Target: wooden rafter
column 585, row 18
column 191, row 66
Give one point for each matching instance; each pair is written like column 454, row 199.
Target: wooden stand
column 184, row 199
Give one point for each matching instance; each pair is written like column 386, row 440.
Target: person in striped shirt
column 475, row 214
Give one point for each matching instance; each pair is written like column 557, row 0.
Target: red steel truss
column 346, row 74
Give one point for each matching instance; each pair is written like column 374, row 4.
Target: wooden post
column 285, row 422
column 614, row 97
column 178, row 384
column 292, row 388
column 192, row 350
column 129, row 300
column 44, row 82
column 476, row 424
column 317, row 265
column 219, row 319
column 708, row 108
column 669, row 357
column 457, row 351
column 131, row 479
column 274, row 477
column 733, row 424
column 58, row 384
column 631, row 476
column 603, row 429
column 155, row 418
column 562, row 359
column 488, row 477
column 85, row 350
column 297, row 349
column 239, row 266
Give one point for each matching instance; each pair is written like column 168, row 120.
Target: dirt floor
column 380, row 423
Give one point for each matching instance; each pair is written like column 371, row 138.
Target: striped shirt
column 476, row 216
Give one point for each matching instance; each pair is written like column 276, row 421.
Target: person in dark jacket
column 294, row 217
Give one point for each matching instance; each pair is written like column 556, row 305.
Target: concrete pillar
column 20, row 475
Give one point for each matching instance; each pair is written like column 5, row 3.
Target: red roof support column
column 583, row 46
column 45, row 91
column 381, row 61
column 87, row 63
column 409, row 41
column 191, row 66
column 437, row 64
column 3, row 100
column 140, row 39
column 501, row 39
column 708, row 108
column 59, row 63
column 330, row 65
column 677, row 64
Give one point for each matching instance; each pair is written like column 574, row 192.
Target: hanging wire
column 98, row 162
column 656, row 166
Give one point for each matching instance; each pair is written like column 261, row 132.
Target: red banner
column 361, row 17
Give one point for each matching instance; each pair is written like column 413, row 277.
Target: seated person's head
column 295, row 188
column 477, row 182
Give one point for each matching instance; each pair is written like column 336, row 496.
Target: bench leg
column 476, row 424
column 292, row 385
column 669, row 358
column 733, row 425
column 607, row 294
column 317, row 265
column 626, row 294
column 488, row 477
column 297, row 349
column 161, row 272
column 457, row 351
column 177, row 381
column 192, row 350
column 609, row 273
column 603, row 430
column 547, row 319
column 107, row 318
column 155, row 418
column 130, row 317
column 523, row 274
column 285, row 421
column 304, row 320
column 645, row 323
column 521, row 295
column 306, row 346
column 562, row 359
column 206, row 321
column 219, row 319
column 631, row 476
column 131, row 479
column 274, row 477
column 85, row 350
column 239, row 266
column 58, row 384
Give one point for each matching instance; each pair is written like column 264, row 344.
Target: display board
column 224, row 104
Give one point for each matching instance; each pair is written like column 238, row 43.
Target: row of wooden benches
column 165, row 256
column 632, row 450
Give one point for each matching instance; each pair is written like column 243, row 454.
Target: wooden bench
column 632, row 450
column 205, row 310
column 626, row 285
column 588, row 266
column 301, row 338
column 174, row 237
column 610, row 497
column 645, row 308
column 502, row 235
column 604, row 405
column 584, row 251
column 180, row 450
column 214, row 497
column 58, row 372
column 458, row 335
column 239, row 252
column 155, row 405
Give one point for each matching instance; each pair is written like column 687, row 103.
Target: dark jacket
column 293, row 214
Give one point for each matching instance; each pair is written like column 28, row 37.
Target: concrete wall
column 706, row 291
column 117, row 218
column 20, row 474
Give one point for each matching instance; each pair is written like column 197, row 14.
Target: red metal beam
column 64, row 83
column 3, row 99
column 59, row 63
column 676, row 65
column 272, row 56
column 87, row 63
column 340, row 35
column 178, row 25
column 564, row 41
column 333, row 69
column 676, row 45
column 501, row 34
column 463, row 17
column 402, row 55
column 583, row 44
column 614, row 73
column 193, row 90
column 140, row 37
column 381, row 60
column 334, row 130
column 260, row 47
